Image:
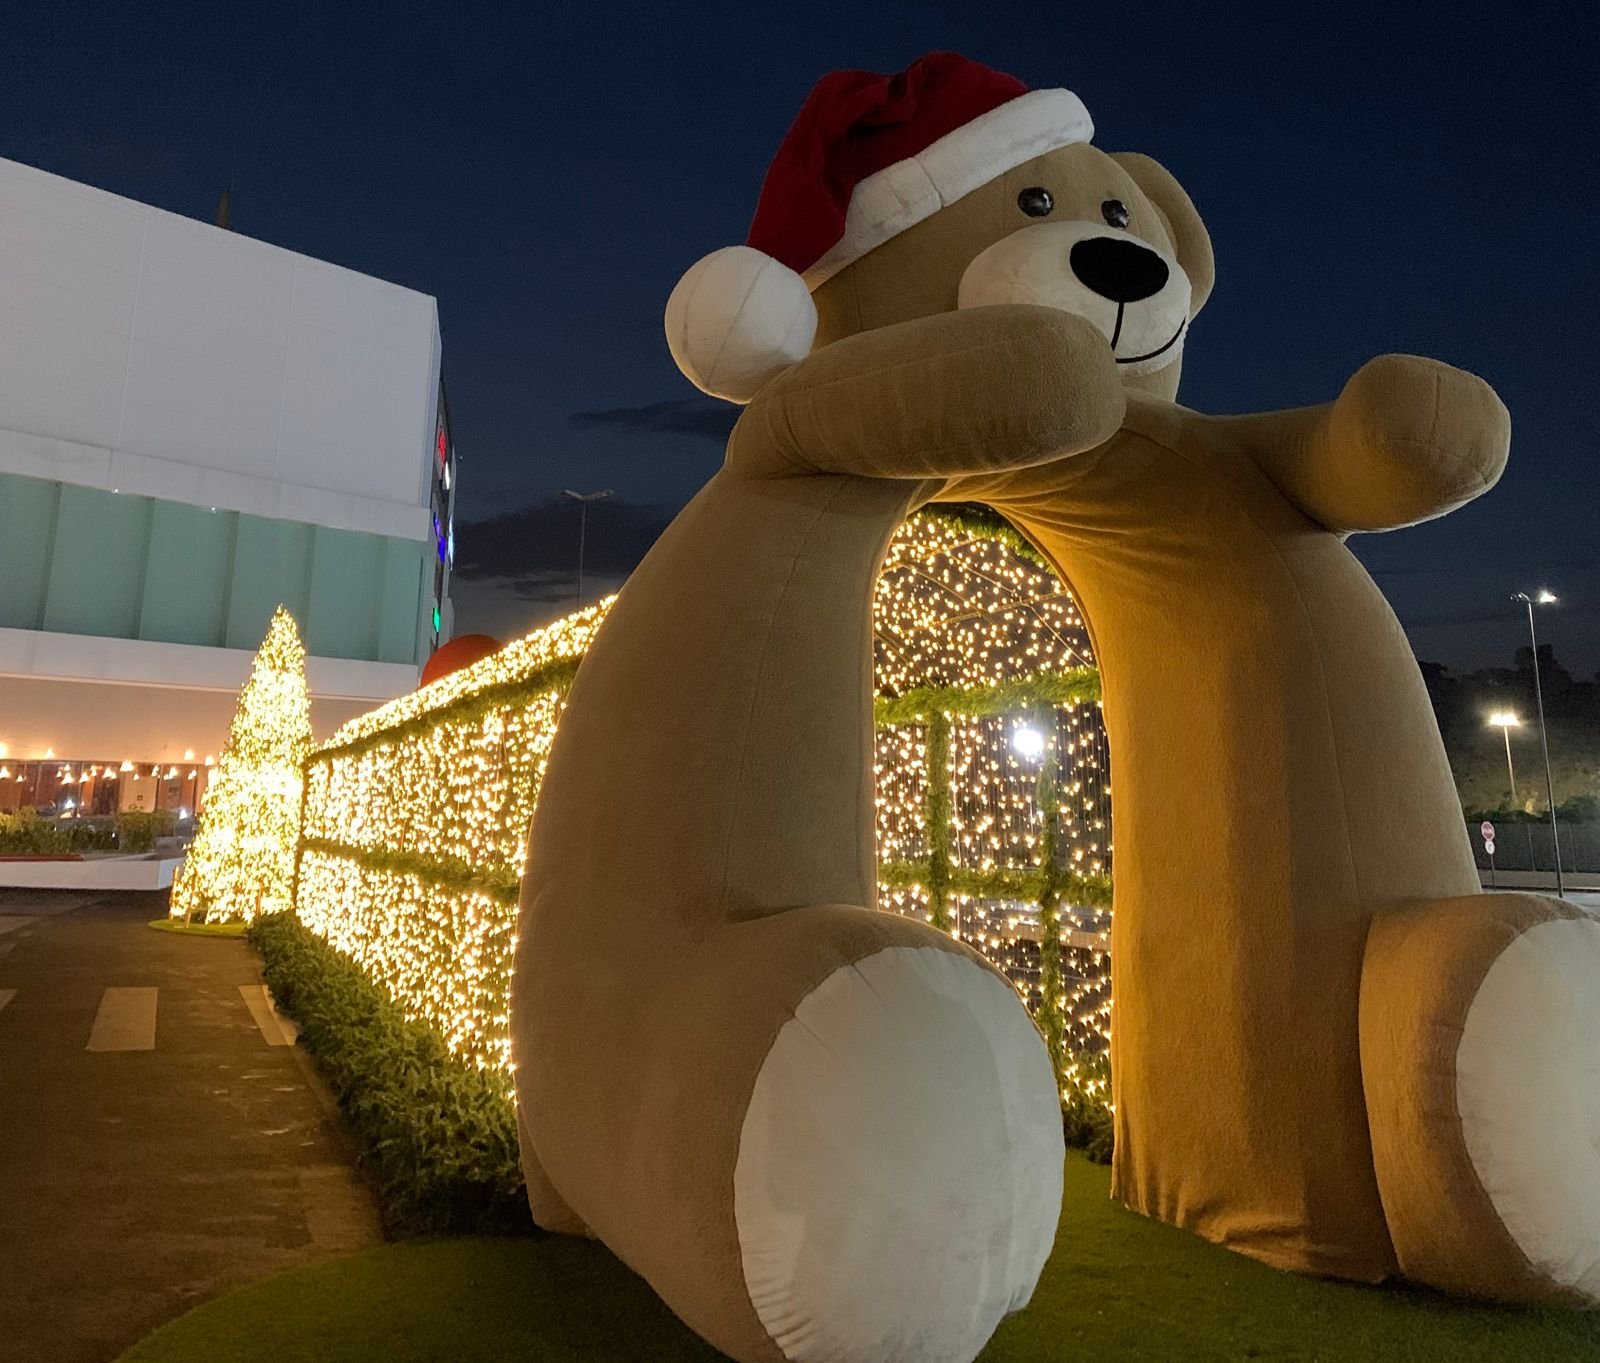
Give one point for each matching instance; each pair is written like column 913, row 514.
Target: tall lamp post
column 583, row 499
column 1544, row 597
column 1506, row 721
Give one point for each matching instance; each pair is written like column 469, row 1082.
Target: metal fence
column 1529, row 847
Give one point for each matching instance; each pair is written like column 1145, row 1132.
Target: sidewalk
column 1583, row 882
column 158, row 1141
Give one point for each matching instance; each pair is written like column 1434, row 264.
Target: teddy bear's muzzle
column 1133, row 291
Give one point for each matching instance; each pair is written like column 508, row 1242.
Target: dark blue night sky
column 1389, row 177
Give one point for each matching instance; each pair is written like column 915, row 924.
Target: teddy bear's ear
column 1190, row 239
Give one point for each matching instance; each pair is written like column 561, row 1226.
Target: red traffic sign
column 1487, row 829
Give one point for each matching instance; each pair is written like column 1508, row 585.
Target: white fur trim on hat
column 902, row 195
column 737, row 319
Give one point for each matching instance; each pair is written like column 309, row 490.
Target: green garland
column 1036, row 690
column 995, row 883
column 1052, row 1018
column 555, row 675
column 1000, row 882
column 980, row 522
column 1073, row 685
column 450, row 873
column 936, row 819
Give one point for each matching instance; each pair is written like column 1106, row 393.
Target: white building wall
column 148, row 353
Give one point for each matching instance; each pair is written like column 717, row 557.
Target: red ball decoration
column 462, row 651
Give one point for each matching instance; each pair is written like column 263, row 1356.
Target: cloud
column 533, row 550
column 705, row 418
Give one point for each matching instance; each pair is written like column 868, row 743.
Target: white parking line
column 6, row 995
column 126, row 1021
column 276, row 1029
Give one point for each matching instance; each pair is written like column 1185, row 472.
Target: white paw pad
column 1528, row 1093
column 899, row 1173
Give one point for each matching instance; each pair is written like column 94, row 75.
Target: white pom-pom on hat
column 737, row 319
column 868, row 157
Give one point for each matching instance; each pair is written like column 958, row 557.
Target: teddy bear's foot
column 899, row 1172
column 827, row 1134
column 1480, row 1056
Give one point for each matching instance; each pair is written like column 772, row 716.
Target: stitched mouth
column 1151, row 354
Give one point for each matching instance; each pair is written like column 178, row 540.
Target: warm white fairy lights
column 958, row 607
column 414, row 830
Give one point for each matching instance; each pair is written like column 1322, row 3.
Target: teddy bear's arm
column 1407, row 440
column 957, row 392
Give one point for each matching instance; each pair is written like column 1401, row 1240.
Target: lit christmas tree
column 241, row 862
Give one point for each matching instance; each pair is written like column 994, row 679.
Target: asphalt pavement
column 160, row 1138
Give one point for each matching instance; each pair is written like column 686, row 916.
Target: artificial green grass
column 1116, row 1289
column 177, row 925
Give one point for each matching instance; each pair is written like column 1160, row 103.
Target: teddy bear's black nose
column 1118, row 269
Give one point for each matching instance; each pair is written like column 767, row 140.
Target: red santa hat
column 868, row 157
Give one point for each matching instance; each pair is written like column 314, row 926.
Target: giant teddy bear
column 824, row 1133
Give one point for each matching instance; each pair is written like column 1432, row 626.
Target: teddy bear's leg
column 544, row 1202
column 1480, row 1057
column 830, row 1134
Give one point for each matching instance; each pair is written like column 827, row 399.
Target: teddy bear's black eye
column 1035, row 201
column 1115, row 212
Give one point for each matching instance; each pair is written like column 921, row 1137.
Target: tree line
column 1477, row 749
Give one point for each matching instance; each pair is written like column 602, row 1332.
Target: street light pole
column 583, row 499
column 1545, row 597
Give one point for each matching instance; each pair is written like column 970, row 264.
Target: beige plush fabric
column 1277, row 777
column 702, row 857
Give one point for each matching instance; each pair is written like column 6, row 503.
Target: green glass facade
column 82, row 560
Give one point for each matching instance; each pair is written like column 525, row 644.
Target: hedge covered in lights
column 992, row 796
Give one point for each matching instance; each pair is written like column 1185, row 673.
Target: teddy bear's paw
column 1481, row 1061
column 1423, row 436
column 1528, row 1093
column 899, row 1172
